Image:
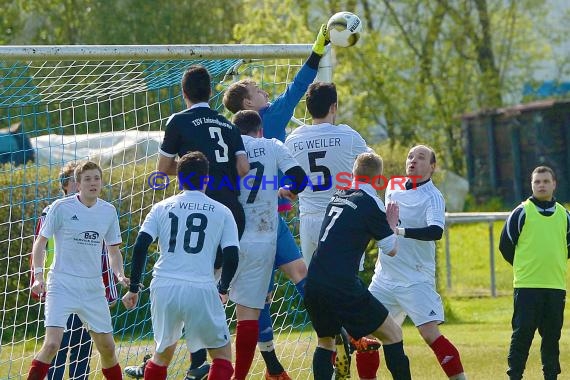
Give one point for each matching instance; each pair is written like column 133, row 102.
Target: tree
column 420, row 64
column 118, row 22
column 449, row 57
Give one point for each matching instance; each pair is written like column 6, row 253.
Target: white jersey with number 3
column 324, row 151
column 259, row 188
column 189, row 226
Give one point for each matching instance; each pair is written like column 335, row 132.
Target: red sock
column 246, row 340
column 153, row 371
column 113, row 373
column 367, row 364
column 448, row 356
column 221, row 369
column 38, row 370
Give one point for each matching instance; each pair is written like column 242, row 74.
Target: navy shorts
column 354, row 308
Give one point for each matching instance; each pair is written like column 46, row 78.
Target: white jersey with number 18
column 189, row 226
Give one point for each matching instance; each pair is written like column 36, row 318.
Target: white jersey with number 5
column 324, row 151
column 189, row 226
column 259, row 188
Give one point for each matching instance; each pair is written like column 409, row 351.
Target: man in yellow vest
column 535, row 242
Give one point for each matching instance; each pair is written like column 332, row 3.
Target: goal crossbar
column 139, row 52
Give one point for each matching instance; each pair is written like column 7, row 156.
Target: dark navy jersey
column 205, row 130
column 352, row 219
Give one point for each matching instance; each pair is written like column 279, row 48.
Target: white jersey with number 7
column 258, row 193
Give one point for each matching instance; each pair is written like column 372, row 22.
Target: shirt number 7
column 335, row 213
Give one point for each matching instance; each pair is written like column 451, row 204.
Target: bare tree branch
column 505, row 59
column 405, row 34
column 459, row 19
column 367, row 15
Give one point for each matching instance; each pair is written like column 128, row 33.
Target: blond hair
column 83, row 167
column 368, row 165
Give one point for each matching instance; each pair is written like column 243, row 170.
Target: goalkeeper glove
column 321, row 41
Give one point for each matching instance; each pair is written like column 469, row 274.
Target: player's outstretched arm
column 277, row 116
column 38, row 258
column 140, row 250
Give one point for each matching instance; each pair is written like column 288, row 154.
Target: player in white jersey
column 80, row 225
column 76, row 340
column 259, row 192
column 325, row 151
column 406, row 284
column 190, row 227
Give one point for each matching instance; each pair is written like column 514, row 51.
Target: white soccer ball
column 344, row 29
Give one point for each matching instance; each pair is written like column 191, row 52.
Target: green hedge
column 24, row 192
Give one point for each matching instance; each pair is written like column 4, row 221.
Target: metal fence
column 473, row 217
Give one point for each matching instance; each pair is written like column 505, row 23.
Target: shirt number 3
column 221, row 154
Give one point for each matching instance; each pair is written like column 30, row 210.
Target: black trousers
column 541, row 309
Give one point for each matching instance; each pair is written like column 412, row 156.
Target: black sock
column 397, row 361
column 272, row 363
column 322, row 364
column 198, row 358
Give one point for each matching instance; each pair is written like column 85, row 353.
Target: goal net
column 109, row 104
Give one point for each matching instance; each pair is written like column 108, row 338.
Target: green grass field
column 482, row 336
column 479, row 325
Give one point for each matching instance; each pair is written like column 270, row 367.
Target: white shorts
column 309, row 230
column 194, row 307
column 250, row 284
column 67, row 294
column 419, row 301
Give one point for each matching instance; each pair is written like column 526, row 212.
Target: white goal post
column 109, row 103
